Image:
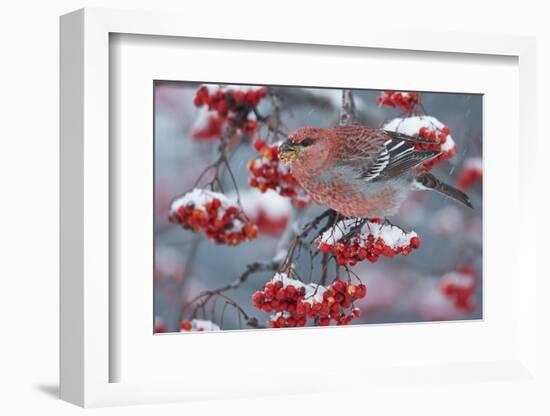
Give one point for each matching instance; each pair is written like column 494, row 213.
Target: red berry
column 239, row 96
column 339, row 285
column 160, row 328
column 324, row 321
column 373, row 258
column 324, row 248
column 402, row 100
column 361, row 291
column 415, row 242
column 251, row 98
column 186, row 326
column 290, row 291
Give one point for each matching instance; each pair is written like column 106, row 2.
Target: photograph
column 282, row 206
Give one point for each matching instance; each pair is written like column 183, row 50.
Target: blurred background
column 401, row 289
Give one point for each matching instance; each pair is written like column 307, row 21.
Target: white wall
column 29, row 184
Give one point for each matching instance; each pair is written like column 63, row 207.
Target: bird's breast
column 353, row 198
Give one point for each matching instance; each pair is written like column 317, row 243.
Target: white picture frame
column 87, row 356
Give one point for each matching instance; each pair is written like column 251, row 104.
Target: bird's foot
column 355, row 229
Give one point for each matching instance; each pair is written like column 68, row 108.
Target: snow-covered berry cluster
column 402, row 100
column 225, row 104
column 208, row 127
column 471, row 173
column 351, row 242
column 459, row 286
column 269, row 211
column 214, row 214
column 430, row 128
column 198, row 325
column 268, row 173
column 292, row 302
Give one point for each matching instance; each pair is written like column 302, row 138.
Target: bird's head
column 307, row 144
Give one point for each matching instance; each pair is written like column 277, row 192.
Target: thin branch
column 189, row 262
column 204, row 297
column 347, row 111
column 306, row 230
column 324, row 269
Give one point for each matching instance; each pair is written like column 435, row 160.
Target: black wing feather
column 407, row 138
column 396, row 158
column 382, row 156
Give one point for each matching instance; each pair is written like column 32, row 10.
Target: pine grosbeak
column 361, row 171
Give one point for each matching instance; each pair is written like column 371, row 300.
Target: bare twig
column 298, row 238
column 189, row 262
column 204, row 297
column 347, row 112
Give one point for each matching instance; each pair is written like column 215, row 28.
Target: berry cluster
column 405, row 101
column 459, row 287
column 350, row 242
column 214, row 214
column 269, row 173
column 198, row 325
column 436, row 135
column 471, row 173
column 211, row 129
column 293, row 302
column 442, row 142
column 269, row 211
column 228, row 104
column 226, row 99
column 269, row 225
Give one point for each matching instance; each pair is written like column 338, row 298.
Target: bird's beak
column 287, row 146
column 288, row 151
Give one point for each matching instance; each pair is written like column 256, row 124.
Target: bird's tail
column 429, row 181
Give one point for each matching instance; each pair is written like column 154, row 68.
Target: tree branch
column 347, row 111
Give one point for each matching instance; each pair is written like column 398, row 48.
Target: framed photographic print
column 227, row 231
column 304, row 223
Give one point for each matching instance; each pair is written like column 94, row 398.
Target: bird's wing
column 373, row 154
column 409, row 139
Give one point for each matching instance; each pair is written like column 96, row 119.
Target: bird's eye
column 306, row 142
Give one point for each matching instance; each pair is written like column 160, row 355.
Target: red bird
column 360, row 171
